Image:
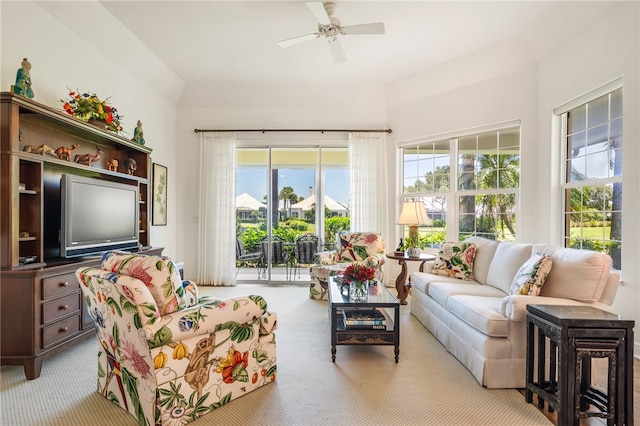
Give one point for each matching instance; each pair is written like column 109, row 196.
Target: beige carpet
column 364, row 386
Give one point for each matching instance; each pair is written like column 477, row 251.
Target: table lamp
column 413, row 214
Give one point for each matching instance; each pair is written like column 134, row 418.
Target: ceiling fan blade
column 336, row 51
column 317, row 8
column 295, row 40
column 375, row 28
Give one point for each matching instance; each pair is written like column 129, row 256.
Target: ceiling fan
column 330, row 27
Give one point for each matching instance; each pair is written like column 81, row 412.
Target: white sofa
column 482, row 325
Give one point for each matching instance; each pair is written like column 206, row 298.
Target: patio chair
column 242, row 257
column 279, row 254
column 306, row 248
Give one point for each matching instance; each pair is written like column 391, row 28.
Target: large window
column 592, row 184
column 478, row 174
column 283, row 193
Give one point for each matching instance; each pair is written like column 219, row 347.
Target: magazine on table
column 364, row 317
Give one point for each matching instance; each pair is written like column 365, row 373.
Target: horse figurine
column 88, row 159
column 64, row 153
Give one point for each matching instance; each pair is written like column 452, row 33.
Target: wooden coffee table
column 382, row 300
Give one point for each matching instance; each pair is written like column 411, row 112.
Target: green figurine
column 138, row 134
column 23, row 80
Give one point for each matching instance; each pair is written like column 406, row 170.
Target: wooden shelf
column 29, row 336
column 36, row 209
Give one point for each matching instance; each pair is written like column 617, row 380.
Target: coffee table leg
column 396, row 332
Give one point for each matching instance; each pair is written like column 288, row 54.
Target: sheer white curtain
column 216, row 243
column 368, row 192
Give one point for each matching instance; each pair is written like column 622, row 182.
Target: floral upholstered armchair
column 363, row 248
column 166, row 355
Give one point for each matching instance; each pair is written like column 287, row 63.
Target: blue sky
column 253, row 181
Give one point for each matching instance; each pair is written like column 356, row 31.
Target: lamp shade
column 413, row 213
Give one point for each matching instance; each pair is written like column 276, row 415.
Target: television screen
column 97, row 215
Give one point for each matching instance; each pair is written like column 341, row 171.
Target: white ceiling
column 233, row 42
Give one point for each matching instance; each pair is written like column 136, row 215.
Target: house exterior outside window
column 592, row 172
column 469, row 184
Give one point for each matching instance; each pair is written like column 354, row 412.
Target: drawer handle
column 63, row 307
column 63, row 329
column 64, row 284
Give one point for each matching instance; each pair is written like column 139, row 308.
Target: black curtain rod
column 292, row 130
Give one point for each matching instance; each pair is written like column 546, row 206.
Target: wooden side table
column 402, row 285
column 576, row 335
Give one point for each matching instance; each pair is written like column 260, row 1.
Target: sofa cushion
column 576, row 274
column 532, row 275
column 442, row 291
column 421, row 281
column 507, row 260
column 455, row 260
column 485, row 250
column 481, row 313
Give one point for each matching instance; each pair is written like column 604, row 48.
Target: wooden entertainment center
column 42, row 310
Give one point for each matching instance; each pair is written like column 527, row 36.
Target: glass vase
column 358, row 291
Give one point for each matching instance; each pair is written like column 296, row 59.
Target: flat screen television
column 96, row 216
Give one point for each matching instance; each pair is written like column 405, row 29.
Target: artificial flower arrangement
column 87, row 106
column 360, row 273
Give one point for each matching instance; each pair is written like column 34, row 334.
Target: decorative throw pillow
column 531, row 275
column 455, row 260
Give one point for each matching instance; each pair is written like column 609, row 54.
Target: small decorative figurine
column 64, row 153
column 138, row 135
column 88, row 159
column 112, row 165
column 131, row 165
column 40, row 149
column 23, row 80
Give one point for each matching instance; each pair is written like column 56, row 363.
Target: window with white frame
column 592, row 178
column 478, row 173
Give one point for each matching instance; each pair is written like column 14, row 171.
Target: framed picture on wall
column 159, row 201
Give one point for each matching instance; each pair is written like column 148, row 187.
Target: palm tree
column 286, row 195
column 499, row 171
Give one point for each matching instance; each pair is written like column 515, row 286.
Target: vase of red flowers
column 358, row 278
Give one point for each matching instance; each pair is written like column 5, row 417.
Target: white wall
column 60, row 60
column 522, row 85
column 608, row 50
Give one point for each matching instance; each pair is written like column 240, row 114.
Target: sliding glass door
column 279, row 191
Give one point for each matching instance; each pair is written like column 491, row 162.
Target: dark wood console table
column 402, row 285
column 42, row 312
column 576, row 335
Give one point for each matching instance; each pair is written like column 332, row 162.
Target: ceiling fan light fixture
column 330, row 27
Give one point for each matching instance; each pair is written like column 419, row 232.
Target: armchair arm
column 374, row 260
column 209, row 316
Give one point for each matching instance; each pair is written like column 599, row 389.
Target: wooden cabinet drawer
column 59, row 285
column 59, row 308
column 60, row 330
